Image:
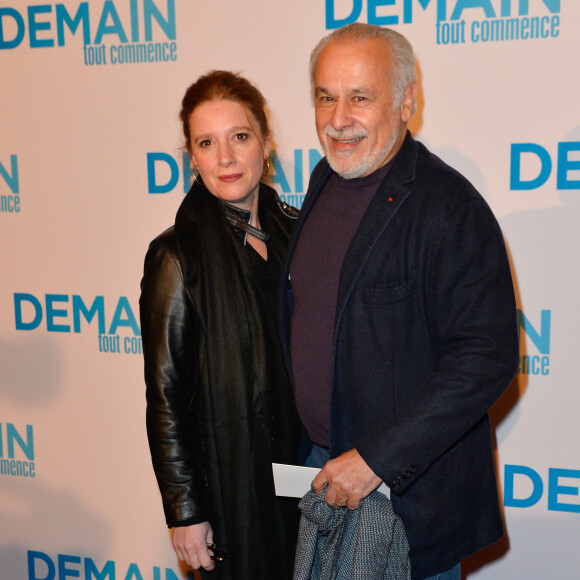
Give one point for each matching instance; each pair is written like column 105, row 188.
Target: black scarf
column 243, row 402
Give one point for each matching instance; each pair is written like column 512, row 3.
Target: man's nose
column 341, row 116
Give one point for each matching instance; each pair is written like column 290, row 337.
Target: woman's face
column 229, row 150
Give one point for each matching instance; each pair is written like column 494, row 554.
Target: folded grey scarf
column 364, row 544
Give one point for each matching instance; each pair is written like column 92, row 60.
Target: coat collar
column 390, row 196
column 201, row 223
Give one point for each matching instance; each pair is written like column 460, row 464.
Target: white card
column 294, row 480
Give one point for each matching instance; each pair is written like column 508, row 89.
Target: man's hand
column 190, row 544
column 349, row 480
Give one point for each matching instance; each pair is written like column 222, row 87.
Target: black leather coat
column 219, row 405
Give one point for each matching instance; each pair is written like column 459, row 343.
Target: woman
column 219, row 406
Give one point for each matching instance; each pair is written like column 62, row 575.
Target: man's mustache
column 347, row 134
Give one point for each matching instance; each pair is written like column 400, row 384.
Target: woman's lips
column 230, row 178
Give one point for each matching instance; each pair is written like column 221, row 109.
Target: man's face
column 357, row 125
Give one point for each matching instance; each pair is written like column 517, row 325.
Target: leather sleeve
column 170, row 335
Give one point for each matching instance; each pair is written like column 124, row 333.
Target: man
column 399, row 315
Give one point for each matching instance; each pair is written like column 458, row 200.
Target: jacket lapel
column 390, row 196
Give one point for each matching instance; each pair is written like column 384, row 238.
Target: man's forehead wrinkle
column 350, row 76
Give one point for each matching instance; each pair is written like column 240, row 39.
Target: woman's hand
column 190, row 544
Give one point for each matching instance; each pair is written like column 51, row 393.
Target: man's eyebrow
column 354, row 91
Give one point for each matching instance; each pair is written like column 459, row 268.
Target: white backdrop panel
column 77, row 213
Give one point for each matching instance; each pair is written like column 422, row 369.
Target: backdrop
column 91, row 169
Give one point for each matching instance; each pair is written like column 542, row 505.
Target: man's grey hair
column 402, row 74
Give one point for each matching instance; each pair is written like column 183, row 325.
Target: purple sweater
column 315, row 272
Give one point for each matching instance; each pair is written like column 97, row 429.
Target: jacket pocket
column 389, row 295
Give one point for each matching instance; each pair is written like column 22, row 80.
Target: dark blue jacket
column 425, row 342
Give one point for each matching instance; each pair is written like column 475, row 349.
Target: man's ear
column 407, row 109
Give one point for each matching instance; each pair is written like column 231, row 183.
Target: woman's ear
column 267, row 145
column 192, row 161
